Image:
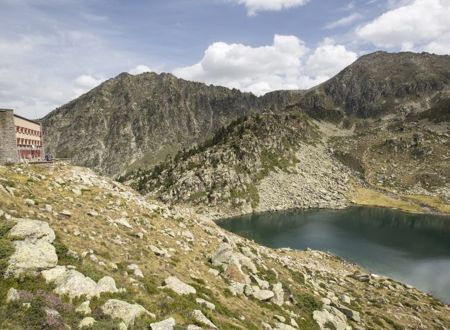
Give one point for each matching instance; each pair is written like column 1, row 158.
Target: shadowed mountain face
column 137, row 121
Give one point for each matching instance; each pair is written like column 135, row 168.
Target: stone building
column 20, row 138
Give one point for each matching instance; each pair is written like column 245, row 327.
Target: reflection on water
column 412, row 248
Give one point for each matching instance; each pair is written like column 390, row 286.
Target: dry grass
column 368, row 197
column 434, row 202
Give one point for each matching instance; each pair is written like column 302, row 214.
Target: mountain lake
column 411, row 248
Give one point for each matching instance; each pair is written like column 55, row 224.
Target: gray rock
column 178, row 286
column 202, row 319
column 32, row 230
column 118, row 309
column 205, row 303
column 236, row 288
column 332, row 315
column 30, row 258
column 74, row 284
column 193, row 327
column 167, row 324
column 282, row 326
column 263, row 295
column 222, row 255
column 278, row 292
column 106, row 284
column 136, row 270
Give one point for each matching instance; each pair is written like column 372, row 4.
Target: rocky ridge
column 209, row 278
column 258, row 163
column 132, row 122
column 141, row 119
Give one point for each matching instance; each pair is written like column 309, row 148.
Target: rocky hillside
column 82, row 251
column 242, row 168
column 140, row 119
column 383, row 83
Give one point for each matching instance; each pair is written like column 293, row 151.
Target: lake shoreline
column 392, row 237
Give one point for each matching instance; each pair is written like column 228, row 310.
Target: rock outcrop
column 33, row 249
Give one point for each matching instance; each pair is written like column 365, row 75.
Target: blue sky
column 52, row 51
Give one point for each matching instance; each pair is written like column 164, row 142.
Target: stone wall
column 8, row 146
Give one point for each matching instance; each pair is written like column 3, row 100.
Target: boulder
column 178, row 286
column 118, row 309
column 106, row 284
column 136, row 270
column 87, row 322
column 74, row 284
column 31, row 257
column 278, row 298
column 198, row 316
column 32, row 230
column 84, row 308
column 222, row 255
column 205, row 303
column 330, row 315
column 193, row 327
column 167, row 324
column 263, row 295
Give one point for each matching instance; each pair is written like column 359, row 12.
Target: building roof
column 30, row 120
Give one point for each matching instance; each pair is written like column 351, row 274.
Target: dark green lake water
column 411, row 248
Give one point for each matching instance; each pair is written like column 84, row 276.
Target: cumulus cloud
column 286, row 64
column 141, row 68
column 416, row 25
column 255, row 6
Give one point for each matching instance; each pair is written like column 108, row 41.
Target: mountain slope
column 142, row 117
column 80, row 248
column 257, row 163
column 137, row 121
column 383, row 83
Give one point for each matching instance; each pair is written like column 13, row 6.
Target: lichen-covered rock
column 118, row 309
column 29, row 258
column 87, row 322
column 33, row 249
column 32, row 230
column 74, row 284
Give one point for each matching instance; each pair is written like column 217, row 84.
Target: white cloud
column 328, row 59
column 45, row 66
column 344, row 21
column 141, row 68
column 286, row 64
column 255, row 6
column 416, row 25
column 85, row 83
